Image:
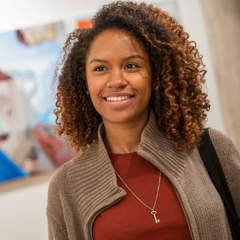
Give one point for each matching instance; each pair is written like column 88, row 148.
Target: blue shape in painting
column 9, row 170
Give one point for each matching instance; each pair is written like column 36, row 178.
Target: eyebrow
column 98, row 60
column 125, row 59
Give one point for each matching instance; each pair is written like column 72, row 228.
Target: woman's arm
column 55, row 230
column 56, row 223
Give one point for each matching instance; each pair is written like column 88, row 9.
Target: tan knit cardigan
column 84, row 187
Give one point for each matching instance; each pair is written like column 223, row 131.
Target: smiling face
column 118, row 71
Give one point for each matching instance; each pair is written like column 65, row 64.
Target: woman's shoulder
column 58, row 177
column 61, row 175
column 221, row 142
column 218, row 136
column 59, row 187
column 228, row 154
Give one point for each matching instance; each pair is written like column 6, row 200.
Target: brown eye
column 100, row 69
column 131, row 66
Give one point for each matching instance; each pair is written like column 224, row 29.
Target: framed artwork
column 27, row 61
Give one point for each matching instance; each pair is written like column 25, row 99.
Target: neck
column 123, row 138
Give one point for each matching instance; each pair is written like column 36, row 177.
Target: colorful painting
column 27, row 61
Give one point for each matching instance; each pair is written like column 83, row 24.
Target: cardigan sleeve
column 55, row 214
column 229, row 157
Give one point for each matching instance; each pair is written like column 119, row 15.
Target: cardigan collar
column 154, row 147
column 101, row 190
column 158, row 149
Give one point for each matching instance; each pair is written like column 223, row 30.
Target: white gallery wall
column 22, row 211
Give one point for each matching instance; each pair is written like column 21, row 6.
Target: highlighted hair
column 178, row 101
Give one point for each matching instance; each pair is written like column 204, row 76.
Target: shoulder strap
column 214, row 168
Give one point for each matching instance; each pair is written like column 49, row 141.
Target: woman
column 130, row 101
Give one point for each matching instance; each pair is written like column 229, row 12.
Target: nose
column 116, row 79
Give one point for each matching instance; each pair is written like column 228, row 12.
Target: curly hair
column 177, row 100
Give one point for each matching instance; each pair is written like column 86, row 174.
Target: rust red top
column 129, row 219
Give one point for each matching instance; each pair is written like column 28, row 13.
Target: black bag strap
column 214, row 168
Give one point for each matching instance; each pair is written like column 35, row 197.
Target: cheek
column 94, row 83
column 147, row 90
column 94, row 87
column 90, row 82
column 146, row 84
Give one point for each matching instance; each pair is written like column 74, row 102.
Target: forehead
column 116, row 39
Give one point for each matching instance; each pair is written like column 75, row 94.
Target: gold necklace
column 153, row 212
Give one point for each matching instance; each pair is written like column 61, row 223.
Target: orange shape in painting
column 84, row 23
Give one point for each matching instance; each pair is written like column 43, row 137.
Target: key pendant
column 154, row 214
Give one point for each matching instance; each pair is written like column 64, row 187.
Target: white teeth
column 115, row 99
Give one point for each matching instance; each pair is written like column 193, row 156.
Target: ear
column 155, row 83
column 86, row 85
column 154, row 86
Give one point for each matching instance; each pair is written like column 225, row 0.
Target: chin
column 120, row 117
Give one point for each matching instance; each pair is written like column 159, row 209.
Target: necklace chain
column 152, row 209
